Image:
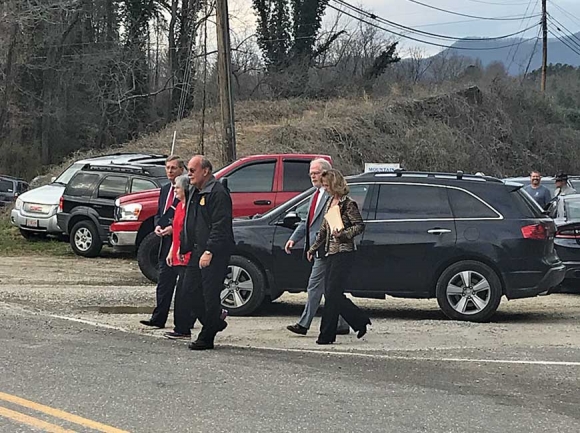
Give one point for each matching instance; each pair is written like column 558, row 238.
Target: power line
column 565, row 12
column 515, row 51
column 498, row 4
column 571, row 35
column 532, row 54
column 434, row 35
column 420, row 40
column 470, row 16
column 575, row 50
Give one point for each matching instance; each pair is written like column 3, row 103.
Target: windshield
column 572, row 209
column 66, row 175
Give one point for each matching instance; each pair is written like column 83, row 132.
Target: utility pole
column 225, row 81
column 544, row 46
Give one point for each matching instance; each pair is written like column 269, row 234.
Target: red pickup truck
column 257, row 184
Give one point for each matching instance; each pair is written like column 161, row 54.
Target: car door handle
column 263, row 202
column 438, row 231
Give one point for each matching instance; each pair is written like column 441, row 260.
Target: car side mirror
column 291, row 219
column 52, row 179
column 224, row 182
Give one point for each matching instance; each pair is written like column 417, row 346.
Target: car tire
column 244, row 287
column 27, row 234
column 469, row 290
column 85, row 239
column 148, row 257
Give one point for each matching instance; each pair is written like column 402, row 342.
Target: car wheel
column 148, row 256
column 27, row 234
column 85, row 239
column 244, row 287
column 469, row 290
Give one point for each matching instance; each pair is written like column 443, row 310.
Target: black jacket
column 208, row 220
column 165, row 219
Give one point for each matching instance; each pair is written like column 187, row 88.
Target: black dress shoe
column 343, row 331
column 200, row 345
column 152, row 324
column 319, row 341
column 361, row 333
column 297, row 329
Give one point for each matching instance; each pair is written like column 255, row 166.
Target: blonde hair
column 336, row 182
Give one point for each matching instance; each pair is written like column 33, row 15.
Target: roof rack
column 121, row 168
column 459, row 175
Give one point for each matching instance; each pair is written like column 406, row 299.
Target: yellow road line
column 60, row 414
column 32, row 422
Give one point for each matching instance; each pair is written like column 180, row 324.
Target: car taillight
column 568, row 234
column 535, row 231
column 61, row 204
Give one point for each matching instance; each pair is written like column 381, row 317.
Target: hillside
column 516, row 60
column 501, row 131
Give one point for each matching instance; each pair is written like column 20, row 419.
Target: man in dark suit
column 174, row 166
column 308, row 230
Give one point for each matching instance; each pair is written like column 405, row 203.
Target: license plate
column 32, row 223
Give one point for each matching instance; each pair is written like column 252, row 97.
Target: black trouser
column 164, row 292
column 183, row 310
column 338, row 268
column 206, row 285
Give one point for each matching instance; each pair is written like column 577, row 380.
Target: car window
column 465, row 205
column 296, row 177
column 6, row 186
column 22, row 187
column 253, row 178
column 82, row 184
column 572, row 208
column 142, row 185
column 112, row 187
column 526, row 204
column 66, row 175
column 402, row 202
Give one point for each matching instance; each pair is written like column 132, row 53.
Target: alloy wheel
column 238, row 288
column 468, row 292
column 83, row 239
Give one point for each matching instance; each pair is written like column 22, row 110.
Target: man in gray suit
column 308, row 230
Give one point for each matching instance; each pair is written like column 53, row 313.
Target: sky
column 405, row 12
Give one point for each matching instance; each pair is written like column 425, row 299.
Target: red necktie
column 313, row 207
column 170, row 198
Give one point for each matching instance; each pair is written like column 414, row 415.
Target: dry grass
column 504, row 131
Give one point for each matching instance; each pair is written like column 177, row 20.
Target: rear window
column 526, row 204
column 296, row 178
column 82, row 184
column 465, row 205
column 6, row 186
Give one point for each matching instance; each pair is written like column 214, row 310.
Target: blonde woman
column 337, row 248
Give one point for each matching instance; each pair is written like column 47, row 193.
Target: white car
column 35, row 211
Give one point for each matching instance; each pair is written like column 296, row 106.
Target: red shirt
column 178, row 219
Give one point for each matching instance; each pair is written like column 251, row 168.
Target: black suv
column 10, row 189
column 87, row 205
column 466, row 240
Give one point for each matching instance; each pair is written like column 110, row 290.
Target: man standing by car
column 207, row 233
column 308, row 230
column 562, row 187
column 174, row 167
column 539, row 193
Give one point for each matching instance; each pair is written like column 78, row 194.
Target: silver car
column 35, row 211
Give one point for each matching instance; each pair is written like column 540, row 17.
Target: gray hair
column 180, row 162
column 182, row 182
column 324, row 164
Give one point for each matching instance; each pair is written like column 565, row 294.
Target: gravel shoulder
column 112, row 292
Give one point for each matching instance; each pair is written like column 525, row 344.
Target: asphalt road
column 140, row 383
